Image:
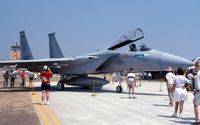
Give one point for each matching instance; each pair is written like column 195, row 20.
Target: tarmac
column 16, row 107
column 76, row 106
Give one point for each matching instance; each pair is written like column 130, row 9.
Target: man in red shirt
column 45, row 76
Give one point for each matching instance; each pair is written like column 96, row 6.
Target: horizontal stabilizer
column 26, row 53
column 54, row 48
column 127, row 39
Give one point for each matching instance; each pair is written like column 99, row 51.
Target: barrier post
column 161, row 85
column 93, row 94
column 33, row 91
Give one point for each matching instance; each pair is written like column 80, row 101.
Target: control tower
column 15, row 52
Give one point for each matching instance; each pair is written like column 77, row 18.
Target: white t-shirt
column 170, row 78
column 197, row 81
column 190, row 76
column 149, row 74
column 130, row 76
column 180, row 81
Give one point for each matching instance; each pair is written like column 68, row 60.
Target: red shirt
column 23, row 75
column 45, row 76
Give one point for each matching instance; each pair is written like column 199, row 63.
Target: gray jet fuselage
column 109, row 61
column 106, row 61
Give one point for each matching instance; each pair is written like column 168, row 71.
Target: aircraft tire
column 119, row 89
column 60, row 86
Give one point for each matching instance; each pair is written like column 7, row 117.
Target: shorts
column 31, row 78
column 130, row 85
column 196, row 99
column 45, row 86
column 180, row 94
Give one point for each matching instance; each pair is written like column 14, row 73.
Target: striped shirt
column 130, row 77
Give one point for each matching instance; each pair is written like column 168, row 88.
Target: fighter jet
column 75, row 70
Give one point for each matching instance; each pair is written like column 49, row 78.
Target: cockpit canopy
column 143, row 47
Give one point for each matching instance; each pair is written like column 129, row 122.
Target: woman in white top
column 180, row 93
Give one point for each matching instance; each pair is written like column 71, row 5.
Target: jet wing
column 128, row 38
column 56, row 63
column 31, row 64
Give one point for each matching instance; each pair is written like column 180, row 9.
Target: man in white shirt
column 149, row 76
column 190, row 77
column 131, row 82
column 170, row 85
column 196, row 100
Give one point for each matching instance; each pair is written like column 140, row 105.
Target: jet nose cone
column 184, row 62
column 175, row 61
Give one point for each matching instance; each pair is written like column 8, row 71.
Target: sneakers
column 195, row 123
column 170, row 104
column 180, row 115
column 42, row 103
column 47, row 103
column 132, row 97
column 174, row 115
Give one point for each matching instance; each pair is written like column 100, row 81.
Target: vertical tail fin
column 54, row 48
column 26, row 53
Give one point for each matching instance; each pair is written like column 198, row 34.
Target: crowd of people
column 11, row 75
column 177, row 85
column 44, row 75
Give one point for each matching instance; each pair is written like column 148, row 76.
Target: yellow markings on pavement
column 51, row 114
column 41, row 112
column 45, row 114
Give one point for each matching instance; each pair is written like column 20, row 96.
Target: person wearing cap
column 170, row 85
column 45, row 76
column 131, row 82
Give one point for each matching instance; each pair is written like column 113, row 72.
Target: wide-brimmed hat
column 169, row 69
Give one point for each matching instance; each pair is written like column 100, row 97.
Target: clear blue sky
column 84, row 26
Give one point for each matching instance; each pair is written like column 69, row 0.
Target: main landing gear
column 119, row 89
column 60, row 85
column 61, row 82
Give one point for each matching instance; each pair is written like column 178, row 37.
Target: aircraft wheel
column 60, row 86
column 119, row 89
